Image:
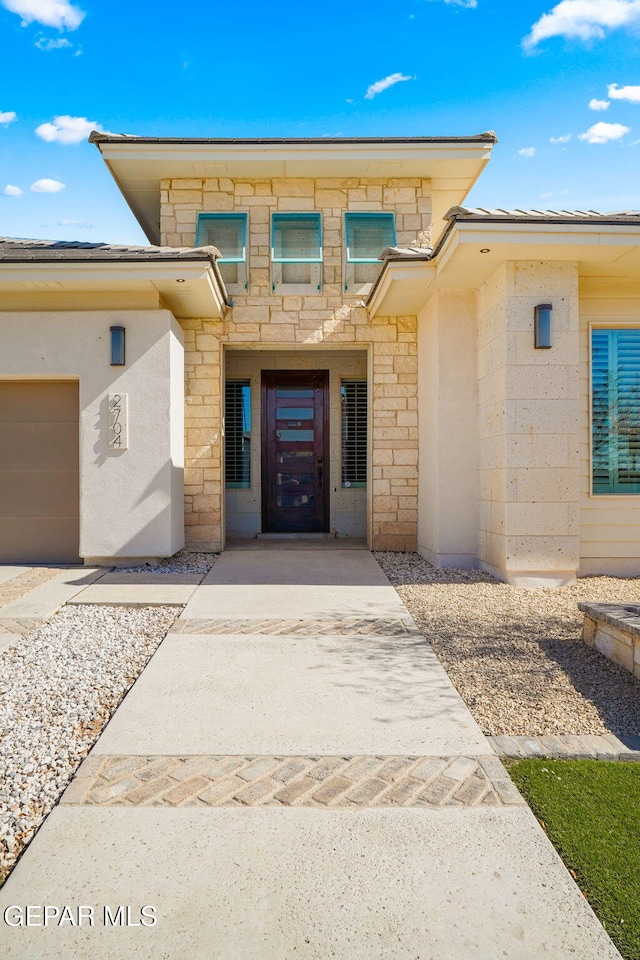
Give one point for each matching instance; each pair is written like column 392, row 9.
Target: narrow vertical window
column 227, row 232
column 615, row 411
column 354, row 433
column 237, row 434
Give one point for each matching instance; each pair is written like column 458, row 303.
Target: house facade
column 320, row 340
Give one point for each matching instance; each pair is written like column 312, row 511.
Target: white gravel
column 184, row 561
column 516, row 656
column 58, row 688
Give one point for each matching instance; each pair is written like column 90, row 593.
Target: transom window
column 615, row 411
column 227, row 232
column 296, row 251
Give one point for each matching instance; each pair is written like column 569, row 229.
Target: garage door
column 39, row 499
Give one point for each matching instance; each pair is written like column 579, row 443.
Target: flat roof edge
column 97, row 137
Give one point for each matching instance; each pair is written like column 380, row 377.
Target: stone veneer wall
column 305, row 322
column 528, row 425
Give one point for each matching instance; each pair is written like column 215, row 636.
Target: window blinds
column 354, row 432
column 615, row 418
column 237, row 433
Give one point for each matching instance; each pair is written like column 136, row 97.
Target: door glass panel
column 295, row 456
column 295, row 480
column 301, row 501
column 294, row 393
column 294, row 435
column 300, row 413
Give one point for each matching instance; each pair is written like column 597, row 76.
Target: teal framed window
column 296, row 238
column 237, row 434
column 353, row 394
column 615, row 411
column 227, row 232
column 367, row 235
column 296, row 252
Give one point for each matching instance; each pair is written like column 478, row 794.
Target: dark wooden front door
column 295, row 444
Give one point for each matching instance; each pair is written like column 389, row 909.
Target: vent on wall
column 354, row 433
column 237, row 433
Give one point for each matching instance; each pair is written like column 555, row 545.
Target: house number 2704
column 118, row 426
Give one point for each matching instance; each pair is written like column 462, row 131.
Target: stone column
column 528, row 426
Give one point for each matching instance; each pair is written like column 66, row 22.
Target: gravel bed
column 516, row 656
column 184, row 561
column 58, row 688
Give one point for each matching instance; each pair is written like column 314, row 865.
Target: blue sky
column 531, row 70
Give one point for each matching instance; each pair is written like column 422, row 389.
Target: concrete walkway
column 293, row 775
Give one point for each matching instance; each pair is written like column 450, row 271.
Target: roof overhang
column 138, row 164
column 189, row 288
column 470, row 251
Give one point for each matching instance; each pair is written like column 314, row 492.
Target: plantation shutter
column 227, row 232
column 296, row 238
column 354, row 432
column 237, row 412
column 368, row 234
column 616, row 411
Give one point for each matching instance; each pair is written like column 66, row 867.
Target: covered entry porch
column 297, row 443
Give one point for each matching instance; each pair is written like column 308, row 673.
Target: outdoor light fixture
column 117, row 346
column 542, row 316
column 485, row 250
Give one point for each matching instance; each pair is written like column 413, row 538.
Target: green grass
column 591, row 812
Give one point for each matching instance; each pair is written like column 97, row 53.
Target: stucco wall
column 609, row 524
column 328, row 319
column 129, row 499
column 447, row 398
column 528, row 425
column 348, row 507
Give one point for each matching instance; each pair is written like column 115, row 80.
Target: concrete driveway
column 293, row 775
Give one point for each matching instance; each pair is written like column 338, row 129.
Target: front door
column 295, row 442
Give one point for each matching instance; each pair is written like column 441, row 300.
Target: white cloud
column 595, row 104
column 47, row 186
column 469, row 4
column 80, row 224
column 583, row 20
column 12, row 191
column 48, row 43
column 632, row 94
column 604, row 132
column 50, row 13
column 564, row 139
column 8, row 116
column 527, row 151
column 67, row 129
column 384, row 84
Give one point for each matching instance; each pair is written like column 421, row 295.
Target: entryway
column 296, row 447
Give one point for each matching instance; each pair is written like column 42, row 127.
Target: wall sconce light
column 542, row 315
column 117, row 346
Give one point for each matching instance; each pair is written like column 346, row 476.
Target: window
column 296, row 252
column 366, row 236
column 615, row 411
column 227, row 232
column 354, row 433
column 237, row 434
